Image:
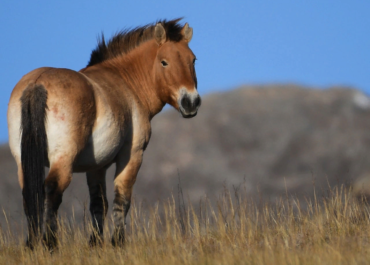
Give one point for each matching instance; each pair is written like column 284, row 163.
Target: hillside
column 272, row 140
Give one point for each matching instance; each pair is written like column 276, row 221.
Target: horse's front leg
column 98, row 203
column 128, row 165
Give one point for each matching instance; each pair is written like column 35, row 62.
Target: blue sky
column 314, row 43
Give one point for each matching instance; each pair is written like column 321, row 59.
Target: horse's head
column 175, row 72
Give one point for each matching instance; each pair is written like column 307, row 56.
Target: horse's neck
column 136, row 69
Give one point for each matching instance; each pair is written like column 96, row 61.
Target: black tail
column 34, row 154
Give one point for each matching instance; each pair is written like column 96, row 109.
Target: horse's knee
column 121, row 203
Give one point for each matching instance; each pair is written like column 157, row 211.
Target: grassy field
column 235, row 230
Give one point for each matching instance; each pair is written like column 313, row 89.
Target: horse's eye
column 164, row 63
column 194, row 61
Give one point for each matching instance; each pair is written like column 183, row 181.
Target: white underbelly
column 101, row 148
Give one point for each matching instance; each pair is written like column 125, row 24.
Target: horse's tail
column 34, row 154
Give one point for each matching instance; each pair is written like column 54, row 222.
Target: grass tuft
column 231, row 230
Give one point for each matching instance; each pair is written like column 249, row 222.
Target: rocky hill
column 273, row 140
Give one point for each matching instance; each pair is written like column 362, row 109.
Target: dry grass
column 334, row 230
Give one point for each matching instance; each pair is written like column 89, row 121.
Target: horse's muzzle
column 189, row 105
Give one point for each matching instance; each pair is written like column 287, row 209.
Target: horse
column 85, row 121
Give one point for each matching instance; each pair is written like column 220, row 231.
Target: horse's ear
column 187, row 32
column 159, row 33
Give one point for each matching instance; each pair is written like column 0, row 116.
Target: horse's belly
column 100, row 150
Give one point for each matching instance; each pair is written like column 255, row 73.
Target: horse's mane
column 126, row 40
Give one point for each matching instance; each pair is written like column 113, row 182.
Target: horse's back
column 70, row 110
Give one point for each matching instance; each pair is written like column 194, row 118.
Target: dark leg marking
column 55, row 184
column 52, row 203
column 98, row 204
column 120, row 210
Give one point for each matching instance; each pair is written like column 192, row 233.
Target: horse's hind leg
column 98, row 204
column 58, row 179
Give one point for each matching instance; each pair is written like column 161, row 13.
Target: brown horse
column 85, row 121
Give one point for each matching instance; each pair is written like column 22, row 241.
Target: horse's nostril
column 197, row 101
column 186, row 103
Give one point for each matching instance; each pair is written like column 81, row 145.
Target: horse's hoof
column 95, row 241
column 30, row 244
column 50, row 242
column 118, row 239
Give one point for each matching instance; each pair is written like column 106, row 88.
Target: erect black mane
column 126, row 40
